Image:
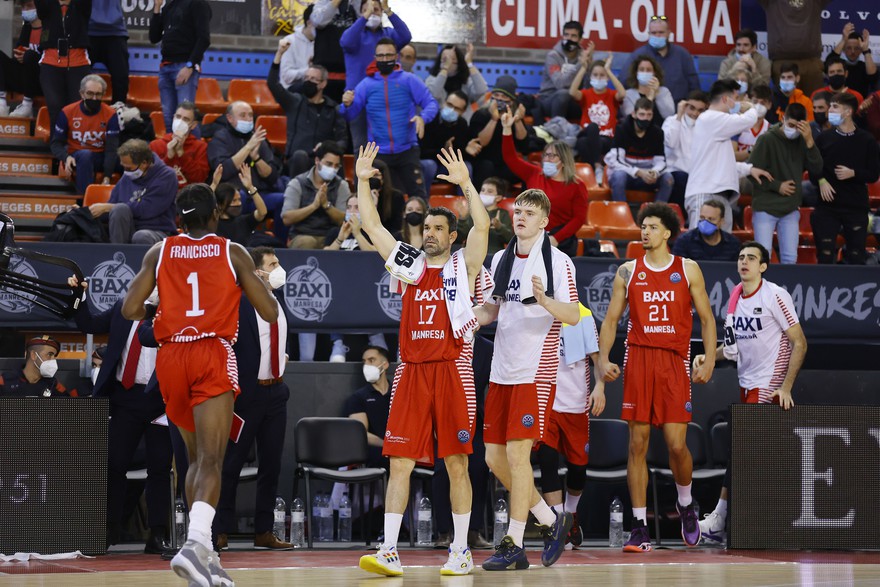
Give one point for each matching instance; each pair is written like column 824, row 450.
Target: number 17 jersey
column 198, row 290
column 660, row 314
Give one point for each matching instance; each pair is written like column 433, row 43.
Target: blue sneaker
column 554, row 538
column 508, row 556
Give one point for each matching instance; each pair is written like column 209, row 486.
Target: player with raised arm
column 763, row 335
column 659, row 289
column 434, row 382
column 199, row 276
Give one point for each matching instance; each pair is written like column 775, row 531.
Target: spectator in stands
column 820, row 112
column 312, row 117
column 21, row 72
column 556, row 177
column 86, row 135
column 184, row 29
column 788, row 92
column 785, row 151
column 560, row 68
column 484, row 126
column 598, row 110
column 410, row 230
column 390, row 99
column 850, row 161
column 408, row 57
column 314, row 201
column 359, row 45
column 794, row 35
column 239, row 142
column 331, row 18
column 233, row 224
column 706, row 241
column 454, row 70
column 369, row 404
column 186, row 154
column 36, row 378
column 855, row 51
column 838, row 79
column 390, row 201
column 678, row 133
column 297, row 57
column 493, row 190
column 108, row 44
column 64, row 41
column 349, row 236
column 449, row 130
column 760, row 97
column 745, row 57
column 141, row 206
column 744, row 79
column 637, row 159
column 646, row 81
column 869, row 114
column 676, row 63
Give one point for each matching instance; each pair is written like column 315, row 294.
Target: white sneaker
column 460, row 561
column 386, row 561
column 712, row 527
column 219, row 577
column 337, row 355
column 23, row 111
column 4, row 109
column 191, row 563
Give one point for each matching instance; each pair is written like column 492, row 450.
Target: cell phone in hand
column 503, row 107
column 63, row 47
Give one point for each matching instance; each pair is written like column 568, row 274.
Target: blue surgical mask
column 786, row 85
column 29, row 15
column 835, row 118
column 735, row 108
column 244, row 126
column 657, row 42
column 348, row 216
column 326, row 172
column 743, row 86
column 448, row 114
column 644, row 77
column 598, row 84
column 706, row 228
column 135, row 174
column 550, row 169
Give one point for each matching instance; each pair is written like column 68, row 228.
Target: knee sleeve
column 576, row 477
column 548, row 460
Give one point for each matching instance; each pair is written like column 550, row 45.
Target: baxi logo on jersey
column 18, row 302
column 599, row 294
column 308, row 291
column 390, row 302
column 109, row 282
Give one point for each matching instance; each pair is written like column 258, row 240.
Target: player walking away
column 434, row 383
column 659, row 289
column 199, row 276
column 764, row 337
column 568, row 426
column 523, row 375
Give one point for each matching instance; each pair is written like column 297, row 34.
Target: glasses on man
column 658, row 18
column 550, row 156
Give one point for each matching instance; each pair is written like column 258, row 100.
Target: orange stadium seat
column 608, row 246
column 441, row 188
column 97, row 194
column 507, row 204
column 276, row 130
column 256, row 93
column 210, row 117
column 746, row 233
column 158, row 122
column 42, row 129
column 638, row 196
column 450, row 202
column 108, row 93
column 348, row 167
column 874, row 188
column 634, row 249
column 209, row 97
column 597, row 192
column 143, row 92
column 806, row 229
column 807, row 256
column 613, row 220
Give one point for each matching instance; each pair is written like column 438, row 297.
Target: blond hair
column 535, row 198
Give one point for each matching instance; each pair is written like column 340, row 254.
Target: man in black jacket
column 311, row 116
column 450, row 130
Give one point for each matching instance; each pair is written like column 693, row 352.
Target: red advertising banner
column 703, row 27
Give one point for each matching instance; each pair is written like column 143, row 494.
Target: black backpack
column 77, row 225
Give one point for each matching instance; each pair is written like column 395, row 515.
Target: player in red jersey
column 200, row 276
column 659, row 289
column 429, row 397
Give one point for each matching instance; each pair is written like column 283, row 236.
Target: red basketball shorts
column 656, row 386
column 517, row 412
column 569, row 434
column 757, row 396
column 192, row 372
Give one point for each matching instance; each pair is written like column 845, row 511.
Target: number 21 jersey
column 660, row 314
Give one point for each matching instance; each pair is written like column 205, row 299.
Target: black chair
column 325, row 444
column 609, row 450
column 720, row 441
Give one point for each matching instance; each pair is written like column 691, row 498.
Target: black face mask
column 385, row 67
column 836, row 81
column 310, row 89
column 415, row 218
column 568, row 45
column 642, row 124
column 233, row 211
column 820, row 117
column 91, row 105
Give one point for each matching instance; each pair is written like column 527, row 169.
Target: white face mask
column 688, row 121
column 372, row 373
column 790, row 133
column 487, row 199
column 179, row 127
column 760, row 110
column 326, row 172
column 277, row 277
column 374, row 21
column 48, row 368
column 95, row 372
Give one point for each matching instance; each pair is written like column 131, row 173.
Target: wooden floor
column 591, row 566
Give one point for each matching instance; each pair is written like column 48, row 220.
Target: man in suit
column 124, row 373
column 262, row 404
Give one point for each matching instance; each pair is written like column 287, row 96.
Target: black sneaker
column 554, row 538
column 508, row 556
column 575, row 537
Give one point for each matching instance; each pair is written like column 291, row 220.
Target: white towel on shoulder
column 458, row 297
column 534, row 266
column 407, row 265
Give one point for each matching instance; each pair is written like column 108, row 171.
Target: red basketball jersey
column 660, row 314
column 425, row 328
column 198, row 290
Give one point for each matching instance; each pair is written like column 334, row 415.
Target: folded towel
column 580, row 340
column 729, row 349
column 458, row 297
column 539, row 262
column 406, row 264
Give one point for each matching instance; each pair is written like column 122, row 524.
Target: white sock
column 684, row 494
column 392, row 529
column 571, row 502
column 542, row 511
column 201, row 516
column 460, row 525
column 516, row 530
column 721, row 508
column 641, row 514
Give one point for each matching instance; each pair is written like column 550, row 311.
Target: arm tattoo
column 624, row 273
column 468, row 194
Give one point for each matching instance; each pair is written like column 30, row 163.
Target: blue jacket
column 150, row 197
column 679, row 72
column 391, row 102
column 107, row 19
column 359, row 45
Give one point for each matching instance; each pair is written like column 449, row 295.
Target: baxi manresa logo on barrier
column 390, row 302
column 308, row 291
column 109, row 282
column 599, row 294
column 18, row 303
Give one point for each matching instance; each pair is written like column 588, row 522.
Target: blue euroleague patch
column 587, row 448
column 688, row 407
column 464, row 435
column 675, row 277
column 528, row 420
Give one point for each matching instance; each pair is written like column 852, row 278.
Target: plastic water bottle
column 297, row 523
column 317, row 513
column 344, row 527
column 615, row 524
column 326, row 519
column 501, row 521
column 424, row 523
column 278, row 528
column 180, row 528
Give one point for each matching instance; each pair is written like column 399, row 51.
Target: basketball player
column 659, row 289
column 429, row 399
column 199, row 276
column 769, row 346
column 523, row 375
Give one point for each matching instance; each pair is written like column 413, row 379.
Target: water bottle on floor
column 278, row 528
column 180, row 528
column 326, row 519
column 297, row 523
column 501, row 521
column 344, row 527
column 424, row 523
column 615, row 524
column 317, row 512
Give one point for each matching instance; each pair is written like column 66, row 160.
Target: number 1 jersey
column 660, row 314
column 198, row 290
